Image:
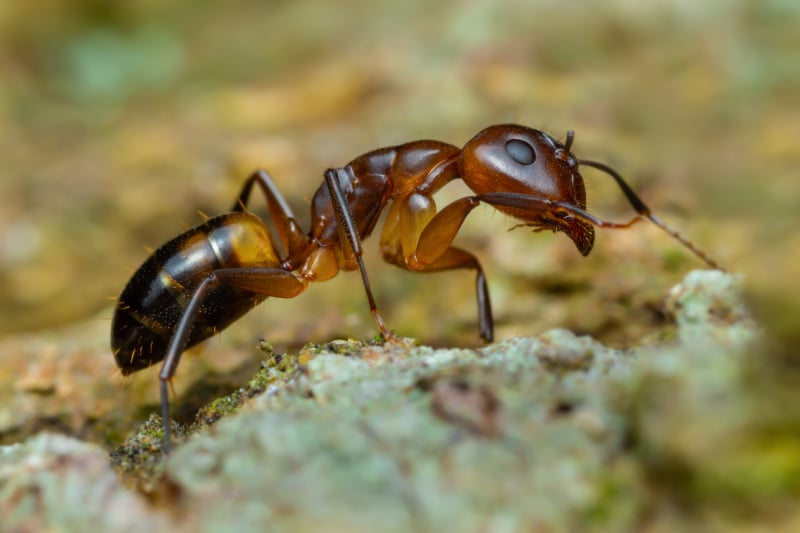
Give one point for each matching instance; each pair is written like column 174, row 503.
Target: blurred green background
column 119, row 121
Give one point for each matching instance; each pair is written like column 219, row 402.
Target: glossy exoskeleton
column 204, row 279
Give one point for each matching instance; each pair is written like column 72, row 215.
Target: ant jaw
column 581, row 233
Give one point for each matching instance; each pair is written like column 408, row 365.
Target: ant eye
column 520, row 151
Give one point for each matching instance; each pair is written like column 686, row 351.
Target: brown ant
column 201, row 281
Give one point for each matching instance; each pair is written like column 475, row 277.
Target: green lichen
column 555, row 432
column 53, row 482
column 140, row 458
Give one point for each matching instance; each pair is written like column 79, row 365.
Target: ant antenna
column 568, row 140
column 640, row 207
column 563, row 153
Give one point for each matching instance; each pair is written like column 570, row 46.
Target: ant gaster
column 201, row 281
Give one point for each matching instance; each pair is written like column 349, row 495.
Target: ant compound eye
column 521, row 152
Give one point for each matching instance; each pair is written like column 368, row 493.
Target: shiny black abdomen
column 152, row 303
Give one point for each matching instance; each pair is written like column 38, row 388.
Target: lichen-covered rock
column 56, row 483
column 410, row 439
column 555, row 432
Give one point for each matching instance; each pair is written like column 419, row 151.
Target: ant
column 201, row 281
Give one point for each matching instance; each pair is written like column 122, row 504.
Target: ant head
column 515, row 159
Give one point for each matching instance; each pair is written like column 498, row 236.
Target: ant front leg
column 290, row 234
column 348, row 234
column 420, row 239
column 259, row 280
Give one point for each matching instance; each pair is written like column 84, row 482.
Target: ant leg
column 454, row 258
column 436, row 237
column 290, row 234
column 434, row 253
column 348, row 227
column 267, row 281
column 419, row 239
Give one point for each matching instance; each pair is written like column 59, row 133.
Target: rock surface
column 555, row 432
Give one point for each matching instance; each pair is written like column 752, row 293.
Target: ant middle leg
column 348, row 235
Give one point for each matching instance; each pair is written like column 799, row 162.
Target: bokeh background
column 119, row 121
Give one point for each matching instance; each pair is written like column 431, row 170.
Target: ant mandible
column 201, row 281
